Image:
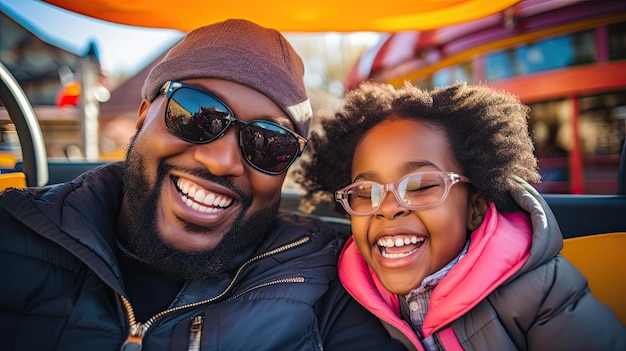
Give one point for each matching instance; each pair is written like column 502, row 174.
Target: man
column 182, row 246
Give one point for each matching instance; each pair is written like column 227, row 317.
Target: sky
column 121, row 49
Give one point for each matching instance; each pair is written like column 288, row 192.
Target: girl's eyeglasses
column 198, row 117
column 415, row 191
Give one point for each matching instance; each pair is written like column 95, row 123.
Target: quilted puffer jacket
column 511, row 291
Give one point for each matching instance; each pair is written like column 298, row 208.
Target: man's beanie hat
column 242, row 52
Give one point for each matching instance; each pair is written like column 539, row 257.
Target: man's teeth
column 398, row 242
column 195, row 197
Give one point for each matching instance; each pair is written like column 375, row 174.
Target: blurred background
column 566, row 59
column 47, row 49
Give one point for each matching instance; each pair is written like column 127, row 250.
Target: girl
column 451, row 247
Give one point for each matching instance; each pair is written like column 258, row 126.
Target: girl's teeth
column 397, row 255
column 399, row 242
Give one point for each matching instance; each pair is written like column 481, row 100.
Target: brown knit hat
column 242, row 52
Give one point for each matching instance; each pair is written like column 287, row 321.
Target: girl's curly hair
column 487, row 132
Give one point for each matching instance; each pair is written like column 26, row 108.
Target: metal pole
column 89, row 107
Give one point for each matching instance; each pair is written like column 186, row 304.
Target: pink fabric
column 498, row 249
column 363, row 284
column 449, row 340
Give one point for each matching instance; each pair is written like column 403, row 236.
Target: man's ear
column 476, row 214
column 142, row 112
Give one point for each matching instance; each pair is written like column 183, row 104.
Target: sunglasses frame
column 170, row 87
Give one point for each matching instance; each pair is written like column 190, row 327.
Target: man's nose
column 222, row 157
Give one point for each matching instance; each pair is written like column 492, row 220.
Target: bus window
column 617, row 41
column 550, row 125
column 564, row 51
column 558, row 52
column 463, row 72
column 499, row 65
column 601, row 132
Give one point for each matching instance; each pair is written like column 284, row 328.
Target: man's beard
column 145, row 242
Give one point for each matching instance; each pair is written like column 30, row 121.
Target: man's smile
column 200, row 199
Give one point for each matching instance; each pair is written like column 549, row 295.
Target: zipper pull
column 134, row 340
column 130, row 345
column 195, row 333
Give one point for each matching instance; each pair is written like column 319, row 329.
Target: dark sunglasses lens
column 195, row 116
column 268, row 146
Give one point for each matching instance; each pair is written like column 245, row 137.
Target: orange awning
column 289, row 15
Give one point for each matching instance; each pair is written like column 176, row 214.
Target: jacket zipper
column 273, row 282
column 195, row 334
column 138, row 330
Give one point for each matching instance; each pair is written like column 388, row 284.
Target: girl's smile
column 396, row 248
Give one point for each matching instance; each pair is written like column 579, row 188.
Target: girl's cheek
column 360, row 227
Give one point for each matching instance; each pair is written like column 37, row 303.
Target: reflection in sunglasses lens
column 268, row 147
column 198, row 117
column 195, row 116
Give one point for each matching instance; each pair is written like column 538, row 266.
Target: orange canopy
column 290, row 15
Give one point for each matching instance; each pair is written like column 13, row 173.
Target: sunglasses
column 198, row 117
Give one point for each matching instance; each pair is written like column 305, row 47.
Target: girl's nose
column 390, row 208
